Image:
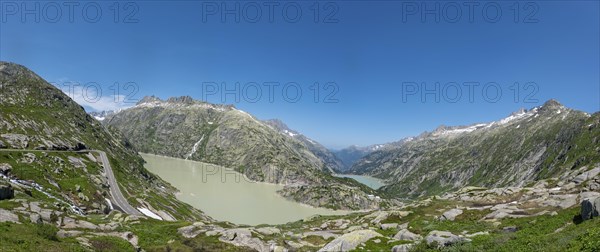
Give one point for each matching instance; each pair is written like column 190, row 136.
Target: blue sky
column 366, row 56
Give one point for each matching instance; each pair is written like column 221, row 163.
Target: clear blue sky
column 369, row 53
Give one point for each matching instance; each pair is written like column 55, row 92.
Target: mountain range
column 73, row 182
column 527, row 146
column 265, row 151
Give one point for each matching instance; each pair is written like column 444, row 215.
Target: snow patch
column 99, row 118
column 149, row 213
column 289, row 133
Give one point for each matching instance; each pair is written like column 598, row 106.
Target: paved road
column 117, row 197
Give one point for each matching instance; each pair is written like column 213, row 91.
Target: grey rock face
column 16, row 141
column 8, row 216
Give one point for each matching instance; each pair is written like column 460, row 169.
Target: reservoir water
column 372, row 182
column 226, row 195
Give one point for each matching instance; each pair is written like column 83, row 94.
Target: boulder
column 378, row 217
column 451, row 214
column 268, row 230
column 586, row 175
column 35, row 218
column 325, row 234
column 443, row 238
column 189, row 231
column 6, row 192
column 402, row 248
column 590, row 208
column 243, row 237
column 68, row 233
column 388, row 226
column 406, row 235
column 350, row 241
column 5, row 168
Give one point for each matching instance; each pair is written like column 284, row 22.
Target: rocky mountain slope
column 223, row 135
column 332, row 162
column 527, row 146
column 40, row 130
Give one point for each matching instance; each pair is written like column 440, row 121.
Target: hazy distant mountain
column 526, row 146
column 351, row 154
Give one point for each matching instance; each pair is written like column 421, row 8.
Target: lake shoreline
column 262, row 195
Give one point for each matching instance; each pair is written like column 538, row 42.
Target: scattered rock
column 16, row 141
column 451, row 214
column 294, row 244
column 325, row 234
column 477, row 234
column 378, row 217
column 28, row 158
column 35, row 207
column 8, row 216
column 68, row 233
column 402, row 248
column 35, row 218
column 243, row 237
column 405, row 235
column 350, row 241
column 78, row 163
column 510, row 229
column 268, row 230
column 5, row 168
column 189, row 231
column 443, row 238
column 388, row 226
column 586, row 175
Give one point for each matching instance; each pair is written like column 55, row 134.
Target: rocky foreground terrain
column 552, row 215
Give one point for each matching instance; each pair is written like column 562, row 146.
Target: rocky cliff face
column 331, row 162
column 221, row 134
column 527, row 146
column 37, row 119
